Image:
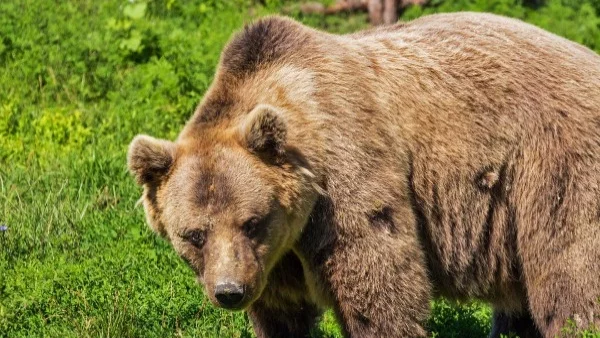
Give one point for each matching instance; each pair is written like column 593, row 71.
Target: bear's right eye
column 196, row 238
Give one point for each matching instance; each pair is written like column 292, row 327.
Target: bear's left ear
column 264, row 131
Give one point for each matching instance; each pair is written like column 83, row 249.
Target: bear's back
column 497, row 65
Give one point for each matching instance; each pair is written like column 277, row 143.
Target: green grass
column 78, row 80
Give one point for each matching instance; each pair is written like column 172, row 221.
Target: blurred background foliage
column 78, row 79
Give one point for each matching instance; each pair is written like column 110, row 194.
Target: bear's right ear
column 149, row 158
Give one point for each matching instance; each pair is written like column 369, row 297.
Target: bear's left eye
column 196, row 238
column 251, row 227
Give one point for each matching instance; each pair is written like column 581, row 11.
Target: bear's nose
column 229, row 294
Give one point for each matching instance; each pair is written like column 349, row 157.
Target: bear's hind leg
column 521, row 325
column 563, row 284
column 556, row 298
column 557, row 222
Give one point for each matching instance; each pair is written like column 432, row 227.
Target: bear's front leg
column 283, row 310
column 380, row 288
column 285, row 320
column 373, row 269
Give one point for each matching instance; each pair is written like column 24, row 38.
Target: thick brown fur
column 456, row 155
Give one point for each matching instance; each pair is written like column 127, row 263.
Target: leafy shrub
column 571, row 330
column 459, row 321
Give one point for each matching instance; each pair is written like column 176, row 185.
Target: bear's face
column 231, row 202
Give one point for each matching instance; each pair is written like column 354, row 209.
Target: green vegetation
column 78, row 79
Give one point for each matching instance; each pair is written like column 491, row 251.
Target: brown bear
column 456, row 155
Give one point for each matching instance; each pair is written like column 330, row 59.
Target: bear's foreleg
column 286, row 320
column 283, row 310
column 379, row 286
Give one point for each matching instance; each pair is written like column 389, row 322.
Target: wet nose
column 229, row 294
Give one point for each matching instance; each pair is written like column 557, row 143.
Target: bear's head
column 231, row 200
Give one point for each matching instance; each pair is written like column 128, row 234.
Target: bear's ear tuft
column 265, row 131
column 149, row 158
